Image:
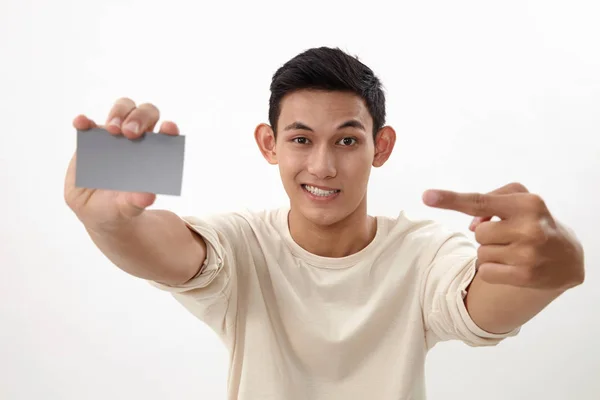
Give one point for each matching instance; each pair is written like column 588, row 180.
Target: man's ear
column 384, row 144
column 265, row 139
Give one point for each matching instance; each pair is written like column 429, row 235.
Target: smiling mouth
column 319, row 192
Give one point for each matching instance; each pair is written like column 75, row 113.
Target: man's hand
column 154, row 245
column 527, row 247
column 106, row 209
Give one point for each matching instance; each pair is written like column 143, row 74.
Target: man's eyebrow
column 352, row 124
column 348, row 124
column 297, row 125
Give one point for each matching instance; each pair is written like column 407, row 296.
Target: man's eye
column 348, row 141
column 300, row 140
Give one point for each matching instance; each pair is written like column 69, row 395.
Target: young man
column 319, row 300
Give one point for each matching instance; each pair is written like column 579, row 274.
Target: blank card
column 152, row 163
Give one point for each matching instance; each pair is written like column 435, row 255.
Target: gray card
column 152, row 163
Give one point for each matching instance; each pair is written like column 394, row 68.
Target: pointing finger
column 513, row 187
column 475, row 204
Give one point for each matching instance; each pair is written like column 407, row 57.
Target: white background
column 480, row 93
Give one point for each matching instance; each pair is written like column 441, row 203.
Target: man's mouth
column 319, row 192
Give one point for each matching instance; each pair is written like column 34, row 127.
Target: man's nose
column 321, row 163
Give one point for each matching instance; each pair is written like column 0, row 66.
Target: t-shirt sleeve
column 443, row 291
column 210, row 294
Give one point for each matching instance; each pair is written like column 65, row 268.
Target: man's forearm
column 502, row 308
column 156, row 245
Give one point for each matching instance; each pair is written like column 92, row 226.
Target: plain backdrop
column 480, row 93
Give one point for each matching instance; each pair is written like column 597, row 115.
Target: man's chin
column 319, row 214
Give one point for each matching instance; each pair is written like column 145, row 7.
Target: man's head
column 327, row 115
column 327, row 69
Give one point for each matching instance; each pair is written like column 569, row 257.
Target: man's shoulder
column 238, row 220
column 405, row 225
column 418, row 234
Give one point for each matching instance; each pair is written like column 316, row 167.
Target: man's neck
column 344, row 238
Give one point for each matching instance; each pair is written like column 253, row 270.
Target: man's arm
column 499, row 308
column 525, row 261
column 157, row 245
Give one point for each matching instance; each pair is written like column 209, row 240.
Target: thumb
column 478, row 220
column 133, row 204
column 501, row 274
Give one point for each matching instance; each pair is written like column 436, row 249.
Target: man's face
column 325, row 150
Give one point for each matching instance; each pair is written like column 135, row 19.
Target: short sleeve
column 210, row 294
column 443, row 291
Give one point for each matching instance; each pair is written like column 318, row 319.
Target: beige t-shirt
column 301, row 326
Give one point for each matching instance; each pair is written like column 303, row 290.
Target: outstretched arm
column 525, row 260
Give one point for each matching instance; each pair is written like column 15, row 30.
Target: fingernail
column 132, row 127
column 116, row 121
column 431, row 197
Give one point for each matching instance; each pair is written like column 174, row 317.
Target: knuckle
column 480, row 201
column 528, row 276
column 122, row 108
column 125, row 102
column 481, row 253
column 149, row 107
column 534, row 233
column 517, row 187
column 147, row 112
column 71, row 200
column 580, row 277
column 528, row 256
column 67, row 197
column 485, row 254
column 535, row 202
column 479, row 235
column 481, row 232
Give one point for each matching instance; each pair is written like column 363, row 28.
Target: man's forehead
column 318, row 104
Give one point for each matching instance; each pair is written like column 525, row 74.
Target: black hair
column 328, row 69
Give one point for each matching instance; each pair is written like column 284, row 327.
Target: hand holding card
column 119, row 168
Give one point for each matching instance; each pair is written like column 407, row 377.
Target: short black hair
column 328, row 69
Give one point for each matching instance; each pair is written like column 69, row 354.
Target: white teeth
column 320, row 192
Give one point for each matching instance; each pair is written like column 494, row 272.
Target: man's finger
column 134, row 203
column 142, row 119
column 498, row 232
column 83, row 123
column 476, row 204
column 502, row 274
column 504, row 254
column 169, row 128
column 513, row 187
column 118, row 113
